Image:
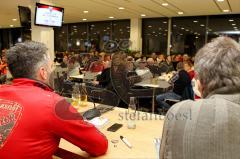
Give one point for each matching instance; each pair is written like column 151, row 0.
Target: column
column 136, row 34
column 42, row 34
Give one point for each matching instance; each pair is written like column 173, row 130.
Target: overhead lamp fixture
column 14, row 19
column 220, row 0
column 233, row 24
column 164, row 4
column 11, row 25
column 165, row 22
column 180, row 13
column 111, row 17
column 202, row 25
column 230, row 20
column 121, row 8
column 226, row 10
column 195, row 21
column 85, row 11
column 143, row 15
column 84, row 19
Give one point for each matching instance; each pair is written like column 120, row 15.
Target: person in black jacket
column 180, row 82
column 104, row 79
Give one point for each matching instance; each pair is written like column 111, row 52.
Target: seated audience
column 97, row 66
column 180, row 82
column 143, row 71
column 34, row 116
column 167, row 65
column 188, row 67
column 104, row 79
column 3, row 69
column 208, row 127
column 152, row 67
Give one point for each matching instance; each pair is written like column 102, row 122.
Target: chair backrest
column 102, row 96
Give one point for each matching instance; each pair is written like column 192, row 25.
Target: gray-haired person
column 33, row 118
column 208, row 128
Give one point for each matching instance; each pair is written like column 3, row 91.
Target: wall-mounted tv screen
column 47, row 15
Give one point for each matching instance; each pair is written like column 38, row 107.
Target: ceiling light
column 85, row 11
column 187, row 30
column 84, row 19
column 121, row 8
column 143, row 15
column 149, row 26
column 233, row 24
column 235, row 27
column 220, row 0
column 111, row 17
column 202, row 25
column 180, row 13
column 11, row 25
column 182, row 28
column 195, row 21
column 196, row 37
column 230, row 20
column 14, row 19
column 165, row 22
column 74, row 26
column 174, row 25
column 164, row 4
column 226, row 10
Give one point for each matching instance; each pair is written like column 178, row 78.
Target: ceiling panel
column 102, row 9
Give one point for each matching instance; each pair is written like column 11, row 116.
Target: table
column 86, row 76
column 141, row 138
column 154, row 83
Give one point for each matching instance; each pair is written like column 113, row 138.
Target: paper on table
column 157, row 142
column 99, row 122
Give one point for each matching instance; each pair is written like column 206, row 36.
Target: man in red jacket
column 32, row 117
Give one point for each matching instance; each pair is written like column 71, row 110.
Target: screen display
column 48, row 15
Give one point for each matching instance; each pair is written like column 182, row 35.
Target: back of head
column 217, row 65
column 24, row 59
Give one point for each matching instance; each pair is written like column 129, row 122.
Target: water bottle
column 131, row 123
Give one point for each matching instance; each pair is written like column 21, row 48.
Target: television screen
column 47, row 15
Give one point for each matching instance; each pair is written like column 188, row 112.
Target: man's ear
column 200, row 87
column 43, row 73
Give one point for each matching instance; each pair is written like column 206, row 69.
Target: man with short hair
column 33, row 118
column 208, row 128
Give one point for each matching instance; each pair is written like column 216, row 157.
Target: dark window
column 188, row 34
column 154, row 34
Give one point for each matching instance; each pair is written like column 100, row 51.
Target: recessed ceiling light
column 149, row 26
column 226, row 10
column 165, row 22
column 74, row 26
column 182, row 28
column 164, row 4
column 85, row 11
column 230, row 20
column 187, row 30
column 233, row 24
column 174, row 25
column 235, row 27
column 220, row 0
column 14, row 19
column 196, row 37
column 84, row 19
column 180, row 13
column 143, row 15
column 111, row 17
column 181, row 34
column 11, row 25
column 195, row 21
column 121, row 8
column 202, row 25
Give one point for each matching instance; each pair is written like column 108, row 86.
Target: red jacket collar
column 31, row 82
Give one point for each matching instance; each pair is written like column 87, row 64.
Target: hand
column 95, row 82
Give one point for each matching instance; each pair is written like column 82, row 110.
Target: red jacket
column 33, row 119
